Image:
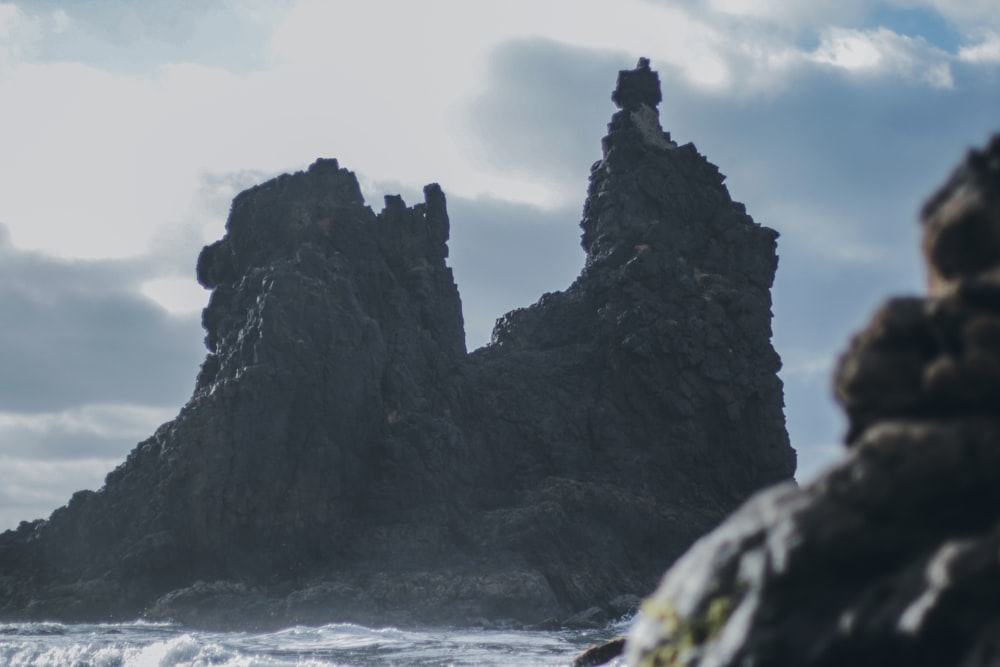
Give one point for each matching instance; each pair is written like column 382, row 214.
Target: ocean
column 340, row 644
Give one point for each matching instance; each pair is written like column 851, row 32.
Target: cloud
column 92, row 431
column 136, row 36
column 127, row 127
column 31, row 489
column 78, row 333
column 808, row 369
column 506, row 255
column 943, row 23
column 127, row 21
column 764, row 42
column 796, row 15
column 838, row 161
column 881, row 51
column 90, row 368
column 18, row 34
column 986, row 51
column 61, row 21
column 127, row 150
column 971, row 16
column 104, row 140
column 531, row 118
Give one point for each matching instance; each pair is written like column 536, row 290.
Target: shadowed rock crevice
column 344, row 458
column 893, row 556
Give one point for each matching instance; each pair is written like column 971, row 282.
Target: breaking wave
column 342, row 644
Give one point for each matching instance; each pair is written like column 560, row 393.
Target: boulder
column 893, row 556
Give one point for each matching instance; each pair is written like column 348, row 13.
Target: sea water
column 340, row 644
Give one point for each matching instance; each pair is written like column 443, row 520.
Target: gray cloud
column 506, row 256
column 90, row 368
column 93, row 431
column 79, row 332
column 839, row 168
column 62, row 444
column 31, row 489
column 542, row 113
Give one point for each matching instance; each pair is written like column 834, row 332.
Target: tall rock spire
column 344, row 458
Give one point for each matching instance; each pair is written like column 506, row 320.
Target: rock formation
column 893, row 556
column 344, row 458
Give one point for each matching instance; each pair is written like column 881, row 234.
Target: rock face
column 344, row 458
column 893, row 556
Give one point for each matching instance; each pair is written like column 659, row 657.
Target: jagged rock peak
column 637, row 87
column 648, row 193
column 638, row 123
column 344, row 459
column 316, row 222
column 322, row 205
column 890, row 557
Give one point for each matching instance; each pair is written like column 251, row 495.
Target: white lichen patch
column 647, row 121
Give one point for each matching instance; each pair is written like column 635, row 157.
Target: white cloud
column 882, row 51
column 118, row 420
column 384, row 96
column 91, row 160
column 125, row 152
column 46, row 457
column 268, row 12
column 178, row 296
column 811, row 369
column 18, row 34
column 850, row 49
column 31, row 489
column 986, row 51
column 405, row 84
column 972, row 19
column 61, row 21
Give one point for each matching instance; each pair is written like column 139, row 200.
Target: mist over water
column 342, row 644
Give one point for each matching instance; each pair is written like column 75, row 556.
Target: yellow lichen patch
column 683, row 638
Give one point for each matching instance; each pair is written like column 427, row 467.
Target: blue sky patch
column 917, row 22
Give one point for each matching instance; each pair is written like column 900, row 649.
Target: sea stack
column 343, row 458
column 893, row 556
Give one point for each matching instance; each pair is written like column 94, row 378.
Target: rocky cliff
column 344, row 458
column 893, row 556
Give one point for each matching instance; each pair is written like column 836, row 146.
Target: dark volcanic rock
column 343, row 457
column 893, row 556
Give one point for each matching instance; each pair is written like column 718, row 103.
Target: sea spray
column 342, row 645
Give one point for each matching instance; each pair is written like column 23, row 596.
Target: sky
column 126, row 127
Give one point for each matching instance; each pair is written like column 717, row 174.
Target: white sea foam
column 335, row 645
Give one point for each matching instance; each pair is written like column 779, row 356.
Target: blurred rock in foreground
column 893, row 556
